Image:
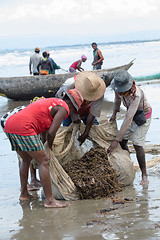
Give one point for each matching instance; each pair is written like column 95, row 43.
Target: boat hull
column 27, row 87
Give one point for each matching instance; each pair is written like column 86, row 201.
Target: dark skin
column 89, row 123
column 140, row 154
column 58, row 113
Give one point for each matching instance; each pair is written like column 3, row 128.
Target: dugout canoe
column 27, row 87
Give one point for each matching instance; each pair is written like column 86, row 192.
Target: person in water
column 77, row 65
column 45, row 65
column 54, row 65
column 33, row 62
column 97, row 57
column 23, row 128
column 133, row 98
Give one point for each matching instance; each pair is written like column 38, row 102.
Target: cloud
column 71, row 11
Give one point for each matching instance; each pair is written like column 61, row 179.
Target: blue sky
column 28, row 23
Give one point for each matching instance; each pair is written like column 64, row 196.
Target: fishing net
column 68, row 154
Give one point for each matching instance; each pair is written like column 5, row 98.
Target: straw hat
column 122, row 81
column 75, row 97
column 90, row 85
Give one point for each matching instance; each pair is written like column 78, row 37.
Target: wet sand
column 137, row 218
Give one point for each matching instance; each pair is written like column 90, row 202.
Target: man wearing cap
column 133, row 99
column 34, row 60
column 92, row 89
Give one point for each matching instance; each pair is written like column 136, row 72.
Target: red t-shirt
column 74, row 65
column 35, row 118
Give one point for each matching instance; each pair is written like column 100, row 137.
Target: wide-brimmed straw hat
column 75, row 97
column 122, row 81
column 90, row 85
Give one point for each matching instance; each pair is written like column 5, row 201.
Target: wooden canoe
column 27, row 87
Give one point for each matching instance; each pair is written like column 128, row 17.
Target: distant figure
column 97, row 57
column 54, row 65
column 77, row 65
column 34, row 60
column 45, row 64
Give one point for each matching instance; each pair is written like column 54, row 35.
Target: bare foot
column 24, row 198
column 54, row 204
column 144, row 182
column 31, row 187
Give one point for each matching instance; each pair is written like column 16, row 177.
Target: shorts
column 71, row 69
column 25, row 143
column 137, row 134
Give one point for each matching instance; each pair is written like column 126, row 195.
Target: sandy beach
column 131, row 214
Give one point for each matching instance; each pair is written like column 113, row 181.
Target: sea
column 81, row 220
column 15, row 62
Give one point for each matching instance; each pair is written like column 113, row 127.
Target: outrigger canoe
column 27, row 87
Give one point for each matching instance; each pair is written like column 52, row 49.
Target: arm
column 38, row 66
column 58, row 113
column 89, row 123
column 55, row 66
column 126, row 123
column 100, row 55
column 79, row 66
column 30, row 63
column 116, row 107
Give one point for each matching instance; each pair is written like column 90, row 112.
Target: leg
column 140, row 154
column 34, row 181
column 24, row 168
column 43, row 162
column 124, row 145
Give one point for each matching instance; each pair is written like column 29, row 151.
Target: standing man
column 34, row 60
column 97, row 57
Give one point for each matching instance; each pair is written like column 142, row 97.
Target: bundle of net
column 93, row 175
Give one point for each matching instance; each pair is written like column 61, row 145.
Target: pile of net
column 93, row 175
column 66, row 151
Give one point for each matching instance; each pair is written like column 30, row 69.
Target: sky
column 30, row 23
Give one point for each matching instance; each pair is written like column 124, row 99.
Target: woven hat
column 122, row 81
column 90, row 85
column 75, row 97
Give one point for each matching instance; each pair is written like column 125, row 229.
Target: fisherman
column 98, row 57
column 133, row 98
column 41, row 117
column 45, row 65
column 92, row 89
column 54, row 65
column 34, row 60
column 77, row 65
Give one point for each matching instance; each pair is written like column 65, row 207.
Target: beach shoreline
column 137, row 219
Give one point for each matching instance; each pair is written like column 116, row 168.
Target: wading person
column 132, row 128
column 45, row 65
column 41, row 117
column 97, row 57
column 77, row 65
column 33, row 62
